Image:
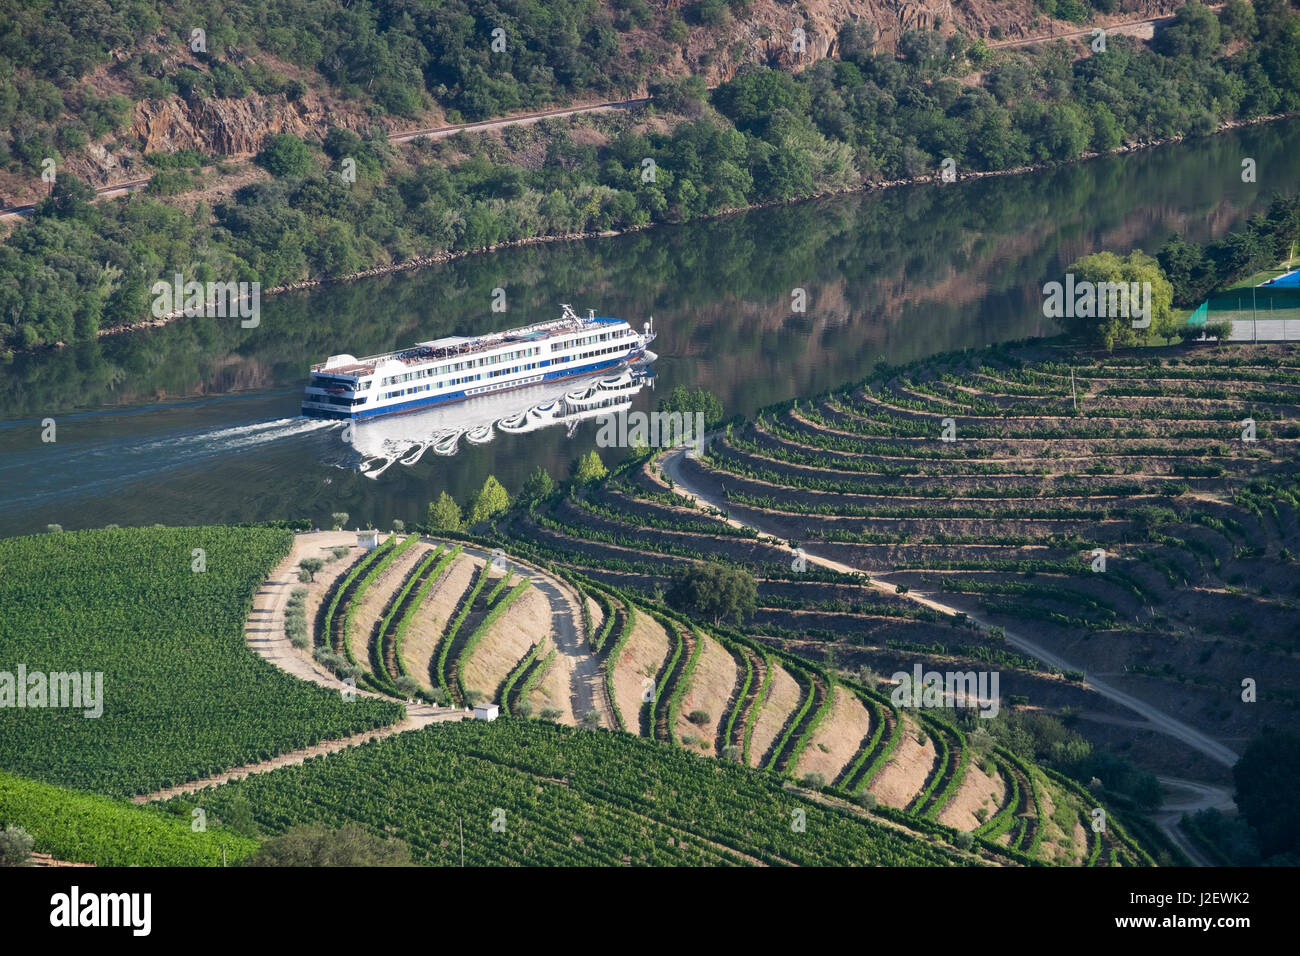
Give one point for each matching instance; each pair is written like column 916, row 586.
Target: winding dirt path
column 522, row 119
column 1142, row 29
column 587, row 689
column 1190, row 796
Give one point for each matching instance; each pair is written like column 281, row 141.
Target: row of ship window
column 335, row 400
column 460, row 381
column 590, row 339
column 457, row 366
column 586, row 355
column 496, row 359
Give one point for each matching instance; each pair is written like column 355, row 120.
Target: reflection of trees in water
column 891, row 275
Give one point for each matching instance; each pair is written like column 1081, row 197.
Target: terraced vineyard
column 1111, row 506
column 1054, row 462
column 884, row 544
column 775, row 711
column 440, row 622
column 703, row 689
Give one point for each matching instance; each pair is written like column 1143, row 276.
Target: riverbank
column 417, row 262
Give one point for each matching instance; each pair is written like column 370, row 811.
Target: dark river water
column 198, row 422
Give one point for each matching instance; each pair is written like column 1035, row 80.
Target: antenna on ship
column 591, row 315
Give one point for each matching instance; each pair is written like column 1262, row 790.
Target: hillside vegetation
column 75, row 71
column 762, row 136
column 87, row 828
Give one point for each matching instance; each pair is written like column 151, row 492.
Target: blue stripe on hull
column 448, row 398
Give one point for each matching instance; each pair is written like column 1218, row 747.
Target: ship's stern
column 332, row 396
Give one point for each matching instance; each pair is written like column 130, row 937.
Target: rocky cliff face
column 766, row 27
column 214, row 127
column 230, row 127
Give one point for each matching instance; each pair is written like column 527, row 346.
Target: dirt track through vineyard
column 587, row 691
column 1154, row 718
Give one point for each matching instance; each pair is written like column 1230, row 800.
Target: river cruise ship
column 459, row 367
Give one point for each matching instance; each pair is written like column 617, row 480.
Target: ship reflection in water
column 378, row 444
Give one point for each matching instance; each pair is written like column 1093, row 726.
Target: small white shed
column 368, row 540
column 486, row 711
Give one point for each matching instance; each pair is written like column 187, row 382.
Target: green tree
column 685, row 96
column 492, row 500
column 1188, row 270
column 444, row 514
column 924, row 49
column 285, row 155
column 1267, row 778
column 1096, row 319
column 1237, row 20
column 311, row 566
column 1194, row 32
column 712, row 13
column 69, row 198
column 690, row 401
column 715, row 591
column 755, row 94
column 537, row 486
column 857, row 42
column 589, row 468
column 1106, row 131
column 316, row 845
column 675, row 31
column 15, row 846
column 1064, row 132
column 340, row 518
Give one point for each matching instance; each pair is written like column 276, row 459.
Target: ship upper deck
column 456, row 346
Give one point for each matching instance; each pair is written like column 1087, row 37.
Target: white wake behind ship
column 457, row 368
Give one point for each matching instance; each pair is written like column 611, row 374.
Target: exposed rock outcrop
column 231, row 127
